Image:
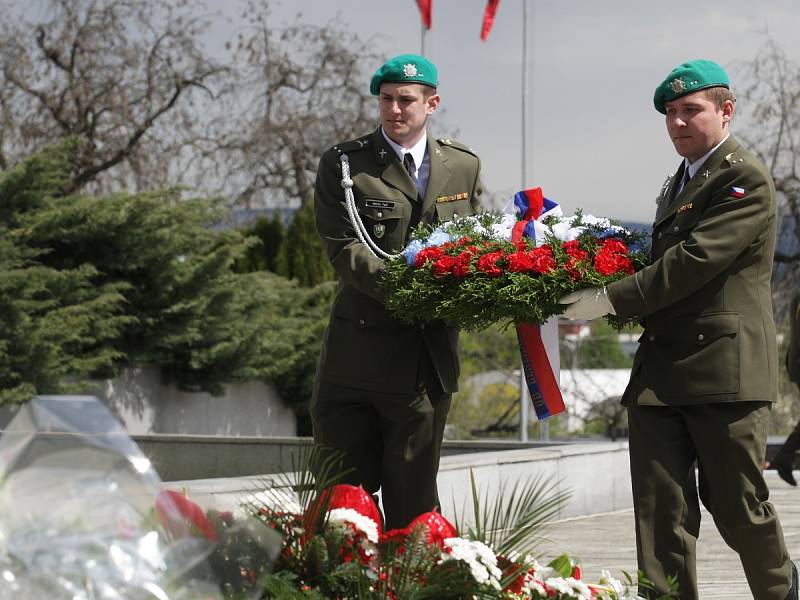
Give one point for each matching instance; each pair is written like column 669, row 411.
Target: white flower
column 478, row 556
column 438, row 237
column 363, row 524
column 570, row 587
column 502, row 230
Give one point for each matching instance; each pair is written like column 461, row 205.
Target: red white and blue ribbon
column 531, row 206
column 542, row 385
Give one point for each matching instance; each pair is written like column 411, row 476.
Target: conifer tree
column 302, row 255
column 92, row 284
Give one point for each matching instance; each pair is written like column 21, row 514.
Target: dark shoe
column 785, row 473
column 793, row 591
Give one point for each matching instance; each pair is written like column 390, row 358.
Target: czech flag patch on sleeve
column 737, row 192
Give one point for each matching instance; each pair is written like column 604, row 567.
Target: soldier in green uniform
column 784, row 458
column 705, row 373
column 383, row 387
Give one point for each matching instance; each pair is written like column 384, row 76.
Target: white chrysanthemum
column 364, row 524
column 570, row 587
column 502, row 230
column 542, row 571
column 537, row 587
column 478, row 556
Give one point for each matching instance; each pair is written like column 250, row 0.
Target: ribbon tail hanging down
column 542, row 385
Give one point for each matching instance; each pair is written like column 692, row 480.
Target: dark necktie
column 408, row 161
column 684, row 180
column 416, row 207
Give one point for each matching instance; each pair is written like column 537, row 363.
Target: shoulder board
column 457, row 145
column 733, row 158
column 361, row 143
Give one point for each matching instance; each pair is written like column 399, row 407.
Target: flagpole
column 422, row 39
column 524, row 396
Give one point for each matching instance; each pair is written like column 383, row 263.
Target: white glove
column 587, row 304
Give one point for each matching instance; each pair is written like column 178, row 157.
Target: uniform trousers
column 786, row 453
column 727, row 443
column 388, row 441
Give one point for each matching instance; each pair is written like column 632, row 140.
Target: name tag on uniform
column 385, row 204
column 454, row 197
column 685, row 207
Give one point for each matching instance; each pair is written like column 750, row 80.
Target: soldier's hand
column 588, row 304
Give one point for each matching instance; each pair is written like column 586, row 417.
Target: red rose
column 488, row 264
column 427, row 255
column 520, row 262
column 442, row 267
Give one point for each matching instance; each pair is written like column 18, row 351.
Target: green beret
column 688, row 78
column 406, row 68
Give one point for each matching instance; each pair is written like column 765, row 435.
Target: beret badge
column 677, row 85
column 410, row 70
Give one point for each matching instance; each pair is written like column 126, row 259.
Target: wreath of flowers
column 469, row 273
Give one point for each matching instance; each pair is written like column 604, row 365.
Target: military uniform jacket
column 705, row 297
column 364, row 346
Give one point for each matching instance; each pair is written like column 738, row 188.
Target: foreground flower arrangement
column 335, row 548
column 507, row 268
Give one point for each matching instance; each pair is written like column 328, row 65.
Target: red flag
column 425, row 7
column 488, row 18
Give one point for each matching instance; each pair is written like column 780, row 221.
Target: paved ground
column 607, row 541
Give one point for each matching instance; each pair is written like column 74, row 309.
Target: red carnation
column 488, row 264
column 463, row 264
column 542, row 259
column 520, row 262
column 624, row 264
column 427, row 255
column 616, row 246
column 573, row 249
column 443, row 266
column 605, row 262
column 613, row 258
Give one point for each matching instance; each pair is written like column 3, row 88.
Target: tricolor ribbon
column 531, row 206
column 542, row 385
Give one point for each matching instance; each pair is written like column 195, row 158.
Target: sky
column 594, row 141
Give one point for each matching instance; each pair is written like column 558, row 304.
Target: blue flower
column 438, row 237
column 410, row 252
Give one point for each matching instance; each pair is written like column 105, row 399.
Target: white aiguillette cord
column 352, row 212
